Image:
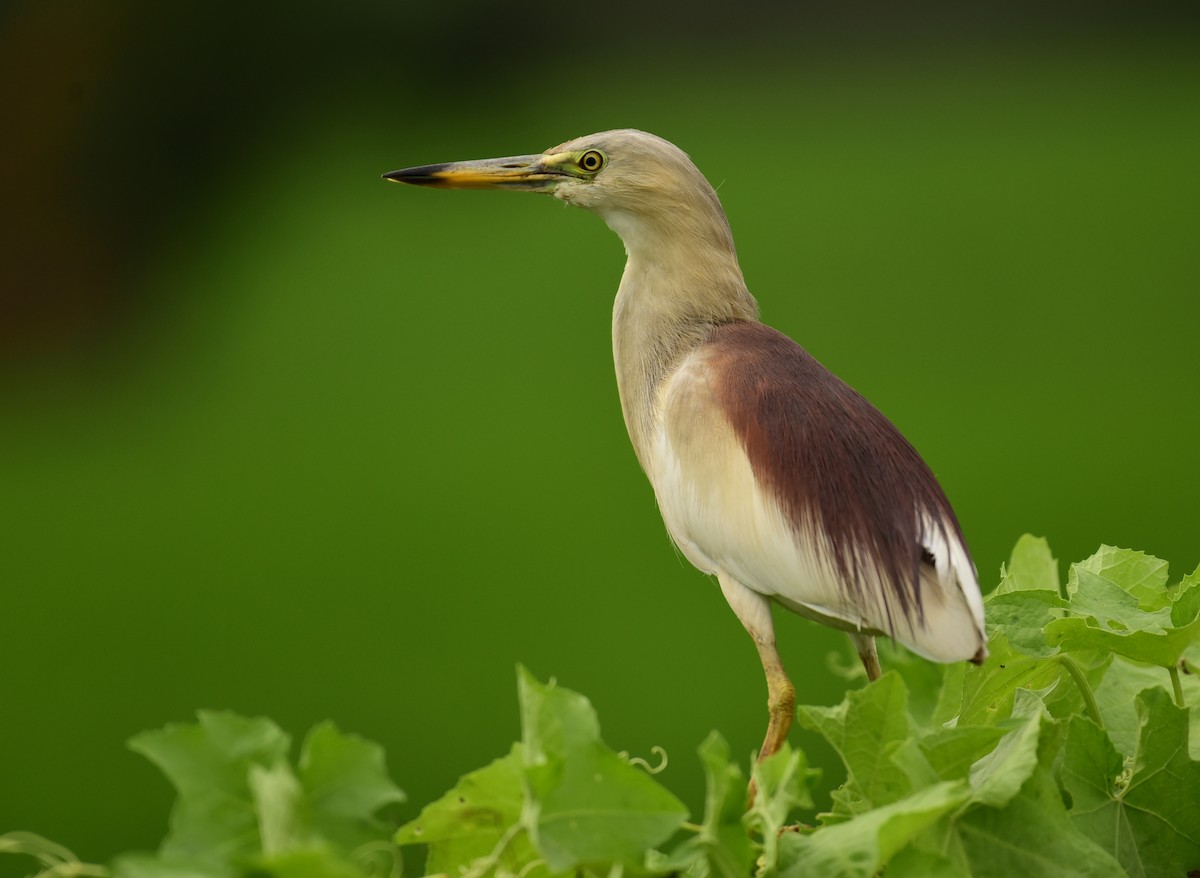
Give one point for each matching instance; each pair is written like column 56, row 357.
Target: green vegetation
column 1066, row 753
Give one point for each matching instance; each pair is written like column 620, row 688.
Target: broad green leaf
column 949, row 700
column 925, row 681
column 1154, row 638
column 242, row 807
column 1021, row 614
column 1030, row 567
column 865, row 729
column 917, row 862
column 1145, row 814
column 1120, row 603
column 1139, row 574
column 861, row 846
column 911, row 759
column 952, row 751
column 1116, row 695
column 470, row 822
column 214, row 820
column 1112, row 606
column 585, row 804
column 1185, row 610
column 346, row 783
column 1031, row 837
column 999, row 775
column 989, row 690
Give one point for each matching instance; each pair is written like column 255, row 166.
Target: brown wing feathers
column 839, row 469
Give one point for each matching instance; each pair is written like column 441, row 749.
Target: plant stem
column 1085, row 689
column 1176, row 684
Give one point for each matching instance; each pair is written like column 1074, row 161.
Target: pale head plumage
column 648, row 191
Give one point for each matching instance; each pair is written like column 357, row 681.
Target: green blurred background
column 278, row 437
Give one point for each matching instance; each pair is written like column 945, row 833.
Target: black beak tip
column 422, row 176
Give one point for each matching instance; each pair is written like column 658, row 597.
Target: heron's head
column 632, row 179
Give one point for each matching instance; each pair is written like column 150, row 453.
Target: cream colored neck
column 666, row 306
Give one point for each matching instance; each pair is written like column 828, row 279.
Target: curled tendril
column 57, row 861
column 366, row 857
column 843, row 666
column 643, row 764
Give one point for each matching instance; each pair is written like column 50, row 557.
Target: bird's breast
column 719, row 514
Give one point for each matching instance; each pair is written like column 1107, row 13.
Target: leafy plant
column 243, row 809
column 1072, row 751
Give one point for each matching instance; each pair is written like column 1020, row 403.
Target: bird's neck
column 675, row 290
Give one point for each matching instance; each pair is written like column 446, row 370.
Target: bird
column 771, row 473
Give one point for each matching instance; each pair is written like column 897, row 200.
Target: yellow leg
column 754, row 611
column 781, row 699
column 865, row 644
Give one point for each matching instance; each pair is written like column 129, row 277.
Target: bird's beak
column 532, row 173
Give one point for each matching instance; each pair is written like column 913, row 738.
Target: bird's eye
column 592, row 160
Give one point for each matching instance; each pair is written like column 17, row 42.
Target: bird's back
column 772, row 470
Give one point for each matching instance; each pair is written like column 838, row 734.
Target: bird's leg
column 754, row 611
column 865, row 644
column 781, row 699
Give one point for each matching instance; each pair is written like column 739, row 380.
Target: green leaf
column 918, row 862
column 1030, row 567
column 1022, row 616
column 346, row 783
column 1111, row 605
column 861, row 846
column 1116, row 695
column 1146, row 814
column 585, row 804
column 952, row 751
column 926, row 682
column 214, row 820
column 1031, row 837
column 722, row 834
column 999, row 775
column 476, row 820
column 722, row 846
column 781, row 781
column 1139, row 574
column 948, row 704
column 277, row 803
column 241, row 806
column 1185, row 610
column 1120, row 603
column 865, row 729
column 989, row 689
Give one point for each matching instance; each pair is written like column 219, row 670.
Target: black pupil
column 591, row 161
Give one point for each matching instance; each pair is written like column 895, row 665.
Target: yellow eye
column 592, row 160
